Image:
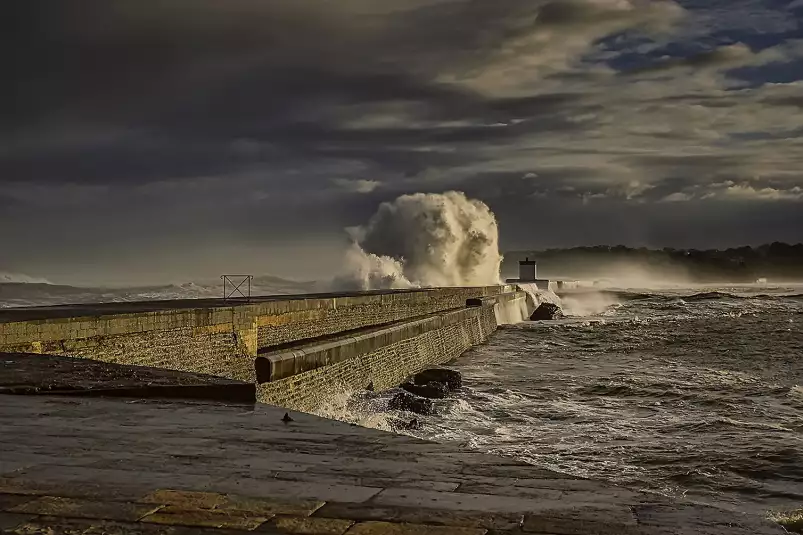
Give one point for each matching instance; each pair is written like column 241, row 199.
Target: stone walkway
column 106, row 466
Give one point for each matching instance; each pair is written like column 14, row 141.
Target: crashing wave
column 424, row 239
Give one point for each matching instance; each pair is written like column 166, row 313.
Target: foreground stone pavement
column 107, row 466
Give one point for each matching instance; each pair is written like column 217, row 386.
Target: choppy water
column 679, row 392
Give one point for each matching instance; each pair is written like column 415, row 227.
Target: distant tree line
column 774, row 261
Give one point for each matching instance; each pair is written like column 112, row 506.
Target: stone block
column 9, row 501
column 456, row 501
column 205, row 518
column 56, row 506
column 387, row 528
column 522, row 492
column 687, row 519
column 516, row 471
column 10, row 521
column 185, row 499
column 284, row 490
column 571, row 519
column 23, row 487
column 306, row 526
column 443, row 486
column 419, row 515
column 70, row 526
column 264, row 506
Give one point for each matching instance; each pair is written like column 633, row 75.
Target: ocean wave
column 625, row 295
column 705, row 296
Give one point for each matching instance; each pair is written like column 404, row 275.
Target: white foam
column 424, row 239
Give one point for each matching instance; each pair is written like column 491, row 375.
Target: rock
column 430, row 390
column 405, row 401
column 547, row 311
column 451, row 378
column 405, row 425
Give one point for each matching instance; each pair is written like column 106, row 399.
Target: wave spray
column 424, row 239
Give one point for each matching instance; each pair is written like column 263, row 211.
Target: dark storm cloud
column 201, row 120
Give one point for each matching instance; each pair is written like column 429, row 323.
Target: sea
column 686, row 392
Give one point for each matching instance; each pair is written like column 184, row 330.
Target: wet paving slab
column 102, row 466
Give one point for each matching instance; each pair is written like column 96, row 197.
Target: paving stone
column 8, row 466
column 47, row 526
column 20, row 486
column 71, row 526
column 9, row 501
column 306, row 525
column 387, row 528
column 9, row 521
column 205, row 518
column 456, row 501
column 185, row 499
column 443, row 486
column 341, row 479
column 213, row 466
column 84, row 481
column 586, row 485
column 523, row 492
column 573, row 520
column 417, row 515
column 519, row 471
column 267, row 507
column 680, row 519
column 70, row 507
column 293, row 489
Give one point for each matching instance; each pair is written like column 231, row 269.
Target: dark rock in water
column 405, row 401
column 430, row 390
column 547, row 311
column 405, row 425
column 451, row 378
column 413, row 424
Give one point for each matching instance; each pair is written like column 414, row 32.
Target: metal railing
column 237, row 286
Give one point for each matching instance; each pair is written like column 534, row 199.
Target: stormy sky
column 153, row 141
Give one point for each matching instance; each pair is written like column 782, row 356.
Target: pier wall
column 297, row 349
column 400, row 352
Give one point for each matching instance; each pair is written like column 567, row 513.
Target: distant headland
column 773, row 262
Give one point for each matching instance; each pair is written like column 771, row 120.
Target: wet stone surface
column 92, row 466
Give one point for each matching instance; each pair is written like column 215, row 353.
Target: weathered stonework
column 410, row 330
column 383, row 368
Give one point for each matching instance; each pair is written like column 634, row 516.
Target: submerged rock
column 449, row 378
column 405, row 401
column 431, row 390
column 405, row 425
column 547, row 311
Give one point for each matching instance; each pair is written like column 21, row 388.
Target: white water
column 425, row 239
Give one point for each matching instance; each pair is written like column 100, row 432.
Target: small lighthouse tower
column 528, row 274
column 527, row 270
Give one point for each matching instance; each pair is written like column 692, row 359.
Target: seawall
column 297, row 349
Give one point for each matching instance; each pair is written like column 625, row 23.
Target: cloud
column 746, row 192
column 357, row 186
column 678, row 196
column 220, row 120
